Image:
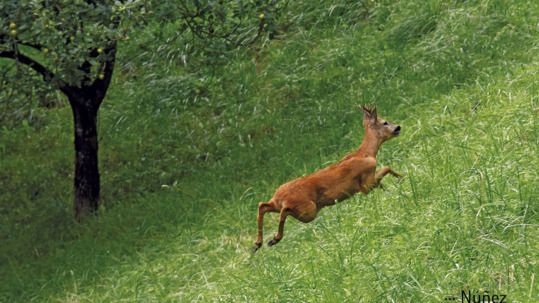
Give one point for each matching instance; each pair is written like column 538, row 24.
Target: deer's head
column 382, row 128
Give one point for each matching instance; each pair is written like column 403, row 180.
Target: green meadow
column 186, row 155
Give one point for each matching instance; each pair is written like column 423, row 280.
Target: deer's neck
column 371, row 144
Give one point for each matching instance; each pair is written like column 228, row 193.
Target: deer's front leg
column 372, row 183
column 394, row 173
column 383, row 172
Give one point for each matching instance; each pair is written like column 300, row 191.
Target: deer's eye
column 385, row 123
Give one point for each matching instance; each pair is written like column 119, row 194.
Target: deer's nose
column 398, row 128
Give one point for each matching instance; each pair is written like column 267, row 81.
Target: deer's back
column 338, row 182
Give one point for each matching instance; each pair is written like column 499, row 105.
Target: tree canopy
column 71, row 46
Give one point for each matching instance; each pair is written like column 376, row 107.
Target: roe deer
column 303, row 198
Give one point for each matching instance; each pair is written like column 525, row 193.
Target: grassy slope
column 460, row 79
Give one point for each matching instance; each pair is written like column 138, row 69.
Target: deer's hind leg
column 304, row 211
column 263, row 207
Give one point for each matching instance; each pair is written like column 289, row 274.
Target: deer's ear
column 373, row 116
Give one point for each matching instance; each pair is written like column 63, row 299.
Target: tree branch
column 100, row 86
column 47, row 74
column 38, row 67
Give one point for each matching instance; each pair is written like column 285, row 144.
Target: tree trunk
column 85, row 101
column 87, row 186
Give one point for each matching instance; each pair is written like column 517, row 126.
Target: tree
column 71, row 45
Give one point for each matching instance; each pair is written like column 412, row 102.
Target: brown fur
column 303, row 198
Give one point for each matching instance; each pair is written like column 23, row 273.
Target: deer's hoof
column 256, row 247
column 273, row 242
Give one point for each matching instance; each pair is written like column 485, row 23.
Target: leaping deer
column 304, row 197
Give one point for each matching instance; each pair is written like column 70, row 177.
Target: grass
column 459, row 77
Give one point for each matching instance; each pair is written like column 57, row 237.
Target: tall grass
column 183, row 172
